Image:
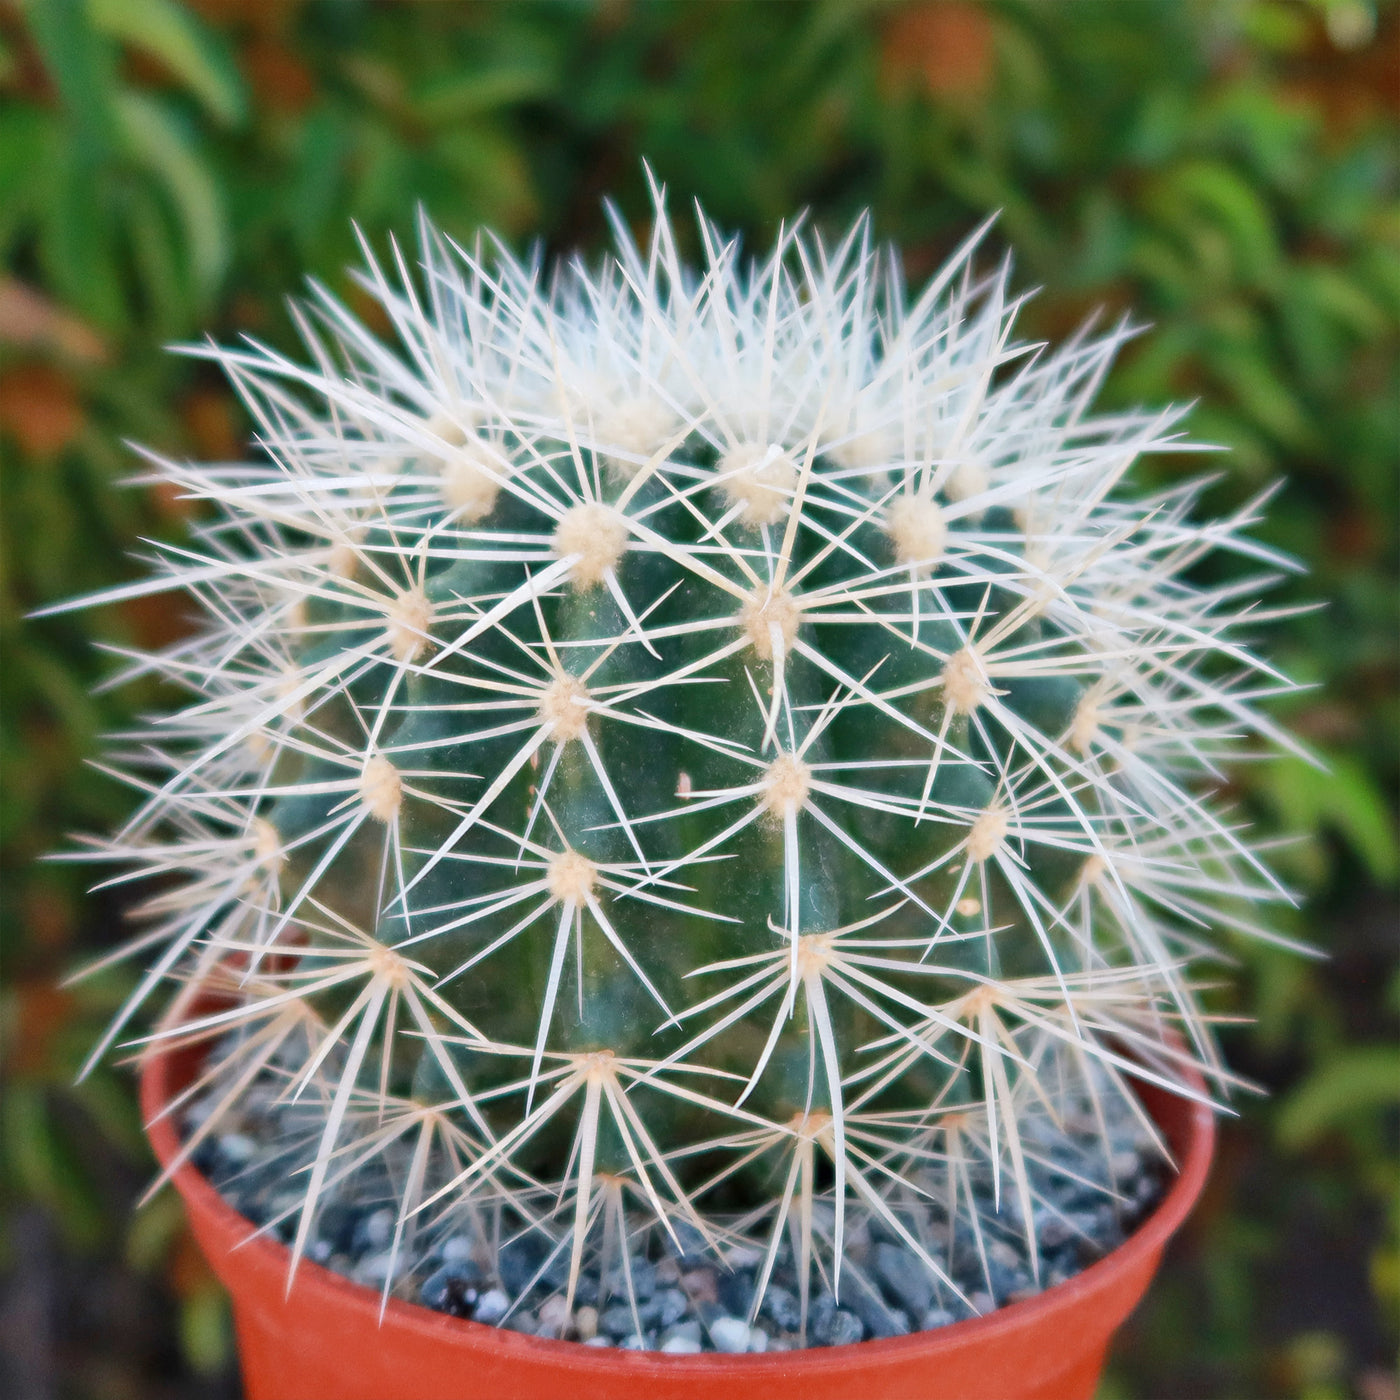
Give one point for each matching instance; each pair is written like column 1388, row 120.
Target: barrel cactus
column 715, row 754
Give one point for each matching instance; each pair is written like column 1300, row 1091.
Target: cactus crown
column 716, row 742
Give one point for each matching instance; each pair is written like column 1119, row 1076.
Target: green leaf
column 80, row 67
column 22, row 137
column 1345, row 798
column 452, row 100
column 154, row 1229
column 319, row 177
column 1344, row 300
column 1213, row 191
column 1359, row 1079
column 1276, row 26
column 1263, row 389
column 75, row 243
column 206, row 1335
column 156, row 141
column 174, row 36
column 156, row 257
column 46, row 1164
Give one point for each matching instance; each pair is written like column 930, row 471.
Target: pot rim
column 1193, row 1145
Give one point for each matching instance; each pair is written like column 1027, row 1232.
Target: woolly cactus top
column 717, row 740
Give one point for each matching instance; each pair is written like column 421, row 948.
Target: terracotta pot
column 324, row 1340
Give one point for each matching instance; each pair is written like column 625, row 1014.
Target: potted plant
column 681, row 863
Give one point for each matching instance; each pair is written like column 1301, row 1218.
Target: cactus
column 712, row 751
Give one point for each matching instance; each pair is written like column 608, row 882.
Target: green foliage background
column 1228, row 169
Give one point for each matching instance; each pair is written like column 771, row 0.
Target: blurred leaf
column 1277, row 25
column 157, row 141
column 1270, row 136
column 106, row 1098
column 1356, row 1080
column 1212, row 188
column 182, row 44
column 1344, row 299
column 78, row 253
column 81, row 68
column 1284, row 987
column 1263, row 393
column 318, row 176
column 1343, row 797
column 22, row 140
column 206, row 1332
column 441, row 101
column 154, row 1228
column 489, row 169
column 46, row 1165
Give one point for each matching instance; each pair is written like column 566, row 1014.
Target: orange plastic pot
column 325, row 1341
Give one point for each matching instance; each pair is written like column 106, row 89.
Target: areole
column 324, row 1339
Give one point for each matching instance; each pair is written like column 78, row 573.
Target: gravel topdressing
column 674, row 1295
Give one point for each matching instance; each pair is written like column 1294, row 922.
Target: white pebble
column 684, row 1345
column 456, row 1249
column 237, row 1147
column 729, row 1334
column 1002, row 1253
column 379, row 1228
column 491, row 1306
column 198, row 1114
column 553, row 1317
column 376, row 1268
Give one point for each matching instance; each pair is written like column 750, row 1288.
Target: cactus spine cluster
column 706, row 746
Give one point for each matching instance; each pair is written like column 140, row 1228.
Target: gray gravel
column 682, row 1299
